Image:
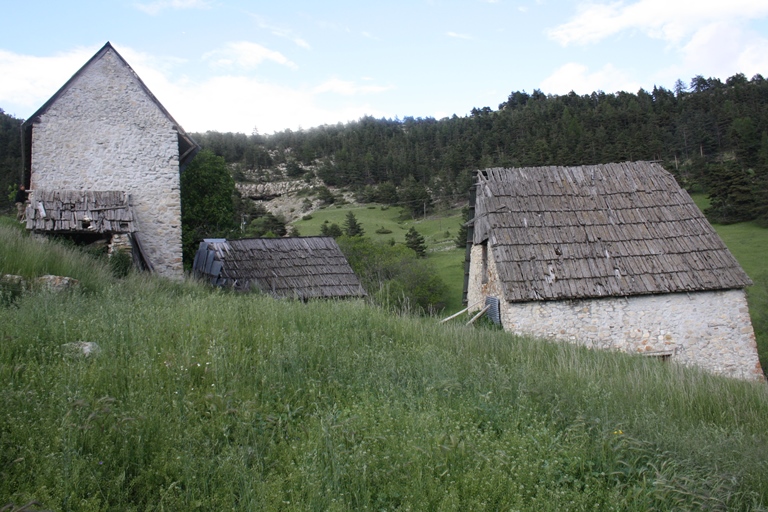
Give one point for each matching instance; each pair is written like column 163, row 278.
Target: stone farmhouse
column 303, row 268
column 102, row 159
column 612, row 256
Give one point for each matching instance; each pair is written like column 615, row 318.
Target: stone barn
column 102, row 159
column 311, row 267
column 613, row 256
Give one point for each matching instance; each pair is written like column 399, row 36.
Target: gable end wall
column 711, row 330
column 104, row 133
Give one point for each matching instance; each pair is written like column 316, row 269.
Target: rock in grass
column 56, row 283
column 81, row 348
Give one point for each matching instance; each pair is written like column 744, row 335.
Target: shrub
column 394, row 276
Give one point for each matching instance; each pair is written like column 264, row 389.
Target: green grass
column 747, row 241
column 439, row 231
column 203, row 399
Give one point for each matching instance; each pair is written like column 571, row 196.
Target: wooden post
column 460, row 312
column 481, row 313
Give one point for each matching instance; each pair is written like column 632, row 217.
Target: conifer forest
column 712, row 135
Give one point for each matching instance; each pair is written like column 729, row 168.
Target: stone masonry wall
column 711, row 330
column 105, row 133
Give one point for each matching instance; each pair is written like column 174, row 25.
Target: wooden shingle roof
column 595, row 231
column 80, row 211
column 300, row 267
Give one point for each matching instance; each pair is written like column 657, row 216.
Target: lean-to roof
column 80, row 211
column 300, row 267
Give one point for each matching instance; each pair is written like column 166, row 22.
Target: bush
column 394, row 276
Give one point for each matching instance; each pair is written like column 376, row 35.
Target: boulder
column 81, row 348
column 56, row 283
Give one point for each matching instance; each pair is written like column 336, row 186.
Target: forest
column 712, row 135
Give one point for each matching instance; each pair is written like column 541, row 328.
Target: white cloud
column 28, row 81
column 245, row 55
column 347, row 88
column 236, row 103
column 722, row 49
column 577, row 78
column 660, row 19
column 154, row 8
column 225, row 102
column 285, row 33
column 458, row 36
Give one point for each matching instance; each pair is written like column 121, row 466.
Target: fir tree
column 461, row 237
column 414, row 240
column 352, row 227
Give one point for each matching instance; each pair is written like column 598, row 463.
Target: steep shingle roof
column 301, row 267
column 594, row 231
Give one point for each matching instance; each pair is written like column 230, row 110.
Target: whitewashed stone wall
column 711, row 330
column 105, row 133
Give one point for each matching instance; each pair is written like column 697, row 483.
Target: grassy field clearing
column 206, row 400
column 439, row 232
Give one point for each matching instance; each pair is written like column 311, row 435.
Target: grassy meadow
column 202, row 399
column 747, row 241
column 439, row 232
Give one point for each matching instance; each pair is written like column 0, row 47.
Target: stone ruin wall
column 105, row 133
column 711, row 330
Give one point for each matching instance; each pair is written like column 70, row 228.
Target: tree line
column 712, row 135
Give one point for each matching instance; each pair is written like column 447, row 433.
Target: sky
column 267, row 66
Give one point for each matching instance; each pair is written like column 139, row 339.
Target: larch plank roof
column 299, row 267
column 594, row 231
column 80, row 211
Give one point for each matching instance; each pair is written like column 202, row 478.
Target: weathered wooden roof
column 301, row 267
column 600, row 230
column 80, row 211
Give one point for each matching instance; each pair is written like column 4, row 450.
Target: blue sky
column 235, row 65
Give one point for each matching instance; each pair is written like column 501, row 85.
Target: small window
column 484, row 247
column 661, row 355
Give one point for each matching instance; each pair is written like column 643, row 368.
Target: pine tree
column 414, row 240
column 352, row 227
column 461, row 237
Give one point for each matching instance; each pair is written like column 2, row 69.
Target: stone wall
column 711, row 330
column 105, row 133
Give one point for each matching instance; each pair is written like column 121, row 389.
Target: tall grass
column 36, row 256
column 203, row 399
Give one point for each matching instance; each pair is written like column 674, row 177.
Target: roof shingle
column 601, row 230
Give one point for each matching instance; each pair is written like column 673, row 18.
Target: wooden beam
column 460, row 312
column 478, row 315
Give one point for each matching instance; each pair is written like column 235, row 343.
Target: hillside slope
column 206, row 399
